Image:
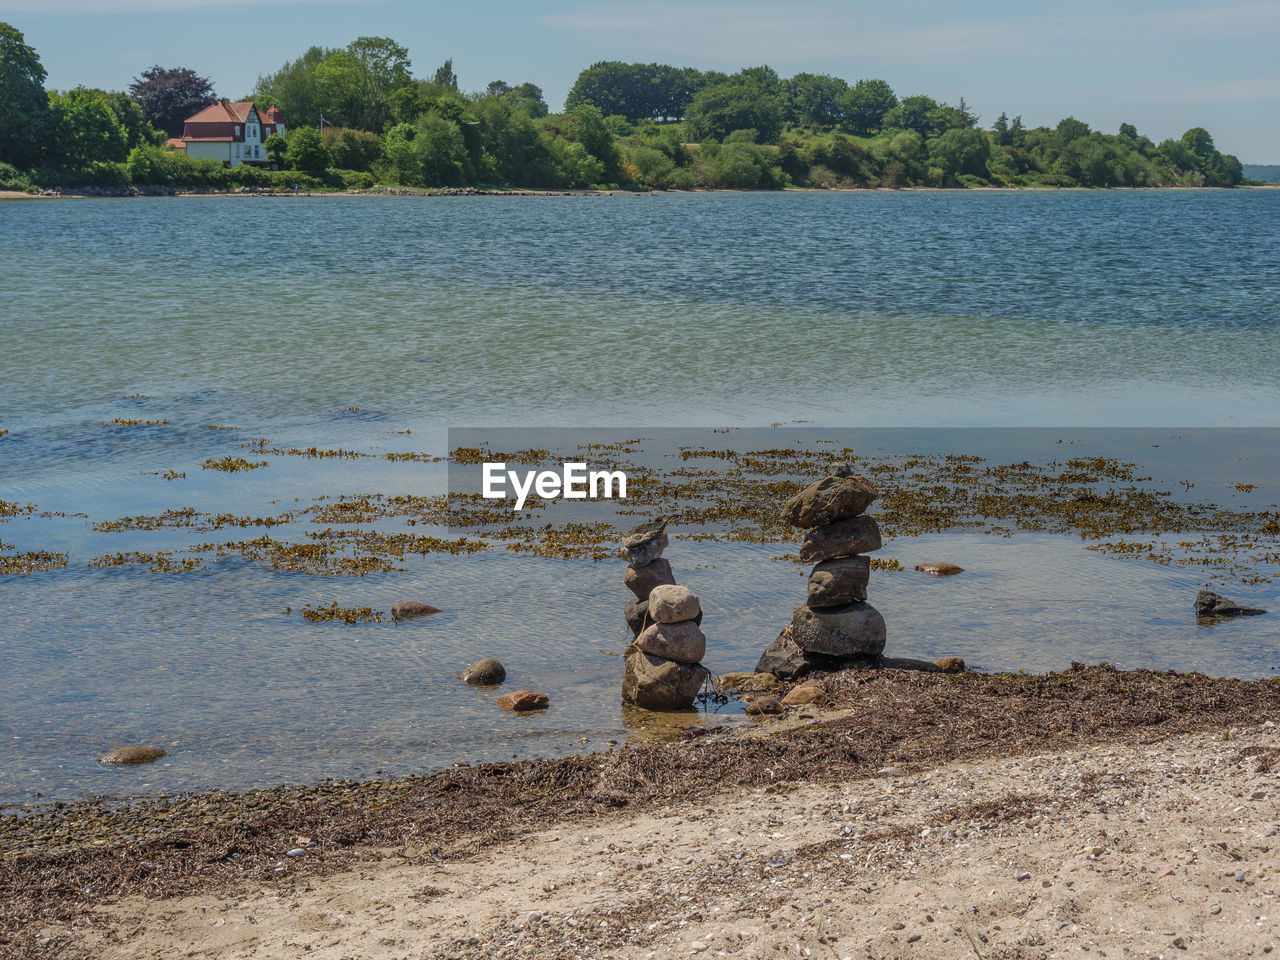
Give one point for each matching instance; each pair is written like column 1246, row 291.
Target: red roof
column 174, row 144
column 220, row 120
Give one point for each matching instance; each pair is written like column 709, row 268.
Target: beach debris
column 746, row 681
column 484, row 673
column 408, row 609
column 522, row 701
column 835, row 627
column 663, row 663
column 1210, row 604
column 124, row 756
column 939, row 569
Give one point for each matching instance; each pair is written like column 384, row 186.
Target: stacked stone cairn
column 835, row 627
column 663, row 669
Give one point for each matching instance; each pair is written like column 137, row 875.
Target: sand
column 1160, row 849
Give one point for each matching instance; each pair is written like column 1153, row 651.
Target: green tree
column 722, row 108
column 442, row 152
column 814, row 99
column 276, row 146
column 1069, row 129
column 922, row 114
column 352, row 149
column 345, row 90
column 294, row 88
column 863, row 106
column 307, row 151
column 24, row 107
column 386, row 63
column 584, row 124
column 574, row 164
column 85, row 130
column 445, row 77
column 959, row 152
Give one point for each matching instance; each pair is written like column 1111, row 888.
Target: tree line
column 357, row 116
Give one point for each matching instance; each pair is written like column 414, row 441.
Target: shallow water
column 279, row 316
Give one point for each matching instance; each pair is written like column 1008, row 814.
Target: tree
column 959, row 152
column 386, row 63
column 24, row 107
column 85, row 130
column 815, row 99
column 924, row 115
column 585, row 125
column 445, row 77
column 1069, row 129
column 638, row 91
column 276, row 145
column 307, row 151
column 352, row 149
column 168, row 96
column 346, row 96
column 294, row 89
column 719, row 110
column 863, row 106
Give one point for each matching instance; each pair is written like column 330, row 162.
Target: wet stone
column 659, row 684
column 484, row 672
column 641, row 580
column 844, row 538
column 939, row 569
column 125, row 756
column 1210, row 604
column 833, row 583
column 682, row 641
column 829, row 500
column 855, row 630
column 670, row 603
column 408, row 609
column 522, row 701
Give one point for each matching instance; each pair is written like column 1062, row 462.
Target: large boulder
column 676, row 641
column 833, row 583
column 786, row 661
column 656, row 683
column 828, row 500
column 671, row 603
column 1210, row 604
column 641, row 580
column 860, row 534
column 854, row 630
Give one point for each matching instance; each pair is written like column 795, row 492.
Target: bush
column 355, row 179
column 11, row 178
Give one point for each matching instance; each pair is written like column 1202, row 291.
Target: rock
column 811, row 692
column 523, row 700
column 638, row 616
column 484, row 673
column 763, row 707
column 854, row 630
column 1210, row 604
column 645, row 547
column 829, row 500
column 641, row 580
column 786, row 661
column 833, row 583
column 860, row 534
column 408, row 609
column 123, row 756
column 676, row 641
column 939, row 569
column 950, row 664
column 746, row 681
column 839, row 469
column 669, row 603
column 659, row 684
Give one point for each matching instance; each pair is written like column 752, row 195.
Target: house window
column 256, row 151
column 237, row 129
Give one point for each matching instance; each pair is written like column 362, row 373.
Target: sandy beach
column 1091, row 812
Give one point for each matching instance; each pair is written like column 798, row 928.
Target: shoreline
column 62, row 870
column 100, row 193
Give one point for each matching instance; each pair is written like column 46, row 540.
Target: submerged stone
column 1210, row 604
column 484, row 673
column 124, row 756
column 408, row 609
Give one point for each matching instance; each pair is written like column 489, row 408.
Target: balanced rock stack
column 663, row 669
column 835, row 627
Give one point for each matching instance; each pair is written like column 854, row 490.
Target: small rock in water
column 641, row 580
column 408, row 609
column 1210, row 604
column 950, row 664
column 670, row 603
column 522, row 701
column 483, row 673
column 124, row 756
column 765, row 706
column 939, row 569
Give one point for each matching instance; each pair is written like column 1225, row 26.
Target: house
column 232, row 132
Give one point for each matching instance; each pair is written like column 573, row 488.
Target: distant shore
column 92, row 193
column 875, row 820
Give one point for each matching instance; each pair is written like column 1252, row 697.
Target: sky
column 1163, row 65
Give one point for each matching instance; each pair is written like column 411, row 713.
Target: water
column 279, row 316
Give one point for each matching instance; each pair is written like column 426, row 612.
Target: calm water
column 279, row 316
